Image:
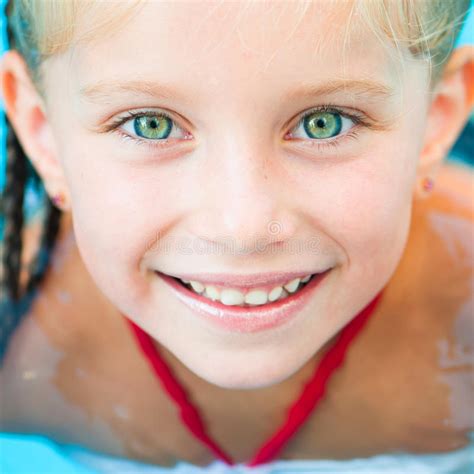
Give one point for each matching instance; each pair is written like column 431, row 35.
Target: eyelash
column 321, row 144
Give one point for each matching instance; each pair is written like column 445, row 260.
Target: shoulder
column 28, row 353
column 431, row 310
column 450, row 231
column 11, row 318
column 15, row 313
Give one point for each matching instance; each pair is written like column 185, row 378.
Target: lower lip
column 248, row 319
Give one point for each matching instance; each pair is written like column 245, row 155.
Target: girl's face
column 235, row 181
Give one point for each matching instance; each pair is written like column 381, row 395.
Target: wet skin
column 74, row 372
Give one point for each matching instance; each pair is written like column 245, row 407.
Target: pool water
column 50, row 458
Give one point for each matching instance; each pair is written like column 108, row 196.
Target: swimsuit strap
column 297, row 413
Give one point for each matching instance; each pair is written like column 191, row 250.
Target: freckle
column 121, row 412
column 29, row 375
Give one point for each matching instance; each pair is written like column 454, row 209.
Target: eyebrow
column 369, row 89
column 102, row 91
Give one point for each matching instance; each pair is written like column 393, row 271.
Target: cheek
column 364, row 206
column 118, row 211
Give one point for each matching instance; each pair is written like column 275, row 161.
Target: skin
column 238, row 173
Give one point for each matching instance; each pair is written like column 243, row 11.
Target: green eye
column 322, row 124
column 153, row 127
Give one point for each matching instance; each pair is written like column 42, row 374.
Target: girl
column 251, row 247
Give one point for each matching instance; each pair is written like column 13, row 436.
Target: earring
column 58, row 200
column 427, row 184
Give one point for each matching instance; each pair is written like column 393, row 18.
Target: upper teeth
column 257, row 296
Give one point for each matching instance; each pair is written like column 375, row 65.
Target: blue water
column 44, row 456
column 33, row 454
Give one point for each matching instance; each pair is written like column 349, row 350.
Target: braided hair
column 14, row 300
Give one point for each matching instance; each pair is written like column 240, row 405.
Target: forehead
column 214, row 46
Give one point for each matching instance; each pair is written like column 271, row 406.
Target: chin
column 242, row 382
column 244, row 374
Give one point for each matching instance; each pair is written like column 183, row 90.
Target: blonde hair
column 427, row 28
column 42, row 28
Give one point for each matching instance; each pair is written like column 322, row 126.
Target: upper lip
column 243, row 281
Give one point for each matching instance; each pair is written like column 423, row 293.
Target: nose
column 245, row 200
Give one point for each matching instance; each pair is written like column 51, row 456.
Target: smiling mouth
column 262, row 296
column 248, row 298
column 246, row 317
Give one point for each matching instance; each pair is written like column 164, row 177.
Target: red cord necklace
column 297, row 413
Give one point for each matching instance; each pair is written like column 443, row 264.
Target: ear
column 26, row 113
column 451, row 104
